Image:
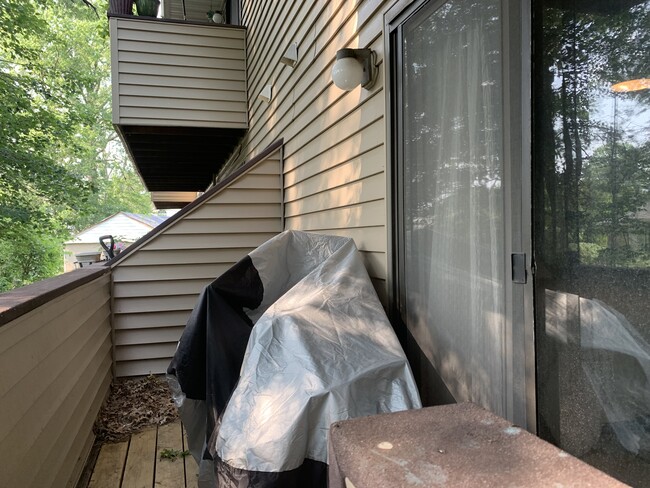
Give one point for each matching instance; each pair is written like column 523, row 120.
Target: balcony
column 63, row 340
column 179, row 97
column 55, row 371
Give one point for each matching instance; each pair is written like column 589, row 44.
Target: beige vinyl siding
column 175, row 74
column 334, row 152
column 156, row 287
column 194, row 9
column 55, row 371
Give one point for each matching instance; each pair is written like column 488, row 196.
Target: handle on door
column 519, row 273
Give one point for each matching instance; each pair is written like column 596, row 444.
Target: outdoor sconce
column 266, row 94
column 290, row 57
column 631, row 85
column 354, row 67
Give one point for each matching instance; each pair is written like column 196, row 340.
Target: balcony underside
column 178, row 159
column 172, row 199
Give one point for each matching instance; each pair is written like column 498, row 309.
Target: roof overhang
column 164, row 200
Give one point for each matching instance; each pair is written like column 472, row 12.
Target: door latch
column 519, row 273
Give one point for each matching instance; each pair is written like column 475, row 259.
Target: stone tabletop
column 451, row 445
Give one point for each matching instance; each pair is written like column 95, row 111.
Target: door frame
column 520, row 394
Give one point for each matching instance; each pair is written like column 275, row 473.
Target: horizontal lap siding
column 194, row 9
column 334, row 152
column 156, row 287
column 55, row 370
column 178, row 74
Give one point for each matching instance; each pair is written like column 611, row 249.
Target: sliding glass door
column 451, row 192
column 493, row 195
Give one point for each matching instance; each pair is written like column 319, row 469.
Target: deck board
column 170, row 473
column 141, row 460
column 109, row 466
column 137, row 463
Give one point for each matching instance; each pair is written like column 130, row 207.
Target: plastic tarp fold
column 289, row 340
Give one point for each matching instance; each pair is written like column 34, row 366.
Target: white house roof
column 123, row 225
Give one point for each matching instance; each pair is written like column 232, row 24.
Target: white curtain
column 453, row 195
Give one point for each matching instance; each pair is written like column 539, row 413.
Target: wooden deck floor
column 137, row 463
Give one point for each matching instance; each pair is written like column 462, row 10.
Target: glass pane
column 592, row 231
column 452, row 204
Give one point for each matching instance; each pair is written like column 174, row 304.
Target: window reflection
column 592, row 230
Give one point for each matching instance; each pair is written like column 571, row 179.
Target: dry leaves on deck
column 134, row 404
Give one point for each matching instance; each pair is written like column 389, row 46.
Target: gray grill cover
column 321, row 350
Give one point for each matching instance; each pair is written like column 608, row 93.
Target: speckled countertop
column 452, row 446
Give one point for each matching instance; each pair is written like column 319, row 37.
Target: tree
column 614, row 189
column 61, row 168
column 584, row 51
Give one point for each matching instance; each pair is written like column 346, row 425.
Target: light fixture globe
column 347, row 73
column 631, row 85
column 354, row 67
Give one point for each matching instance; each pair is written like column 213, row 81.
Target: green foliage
column 173, row 454
column 62, row 167
column 147, row 7
column 28, row 257
column 593, row 168
column 614, row 189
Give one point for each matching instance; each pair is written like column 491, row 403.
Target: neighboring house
column 460, row 174
column 125, row 228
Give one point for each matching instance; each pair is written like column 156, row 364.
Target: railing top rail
column 175, row 21
column 22, row 300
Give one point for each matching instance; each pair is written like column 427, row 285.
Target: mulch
column 132, row 406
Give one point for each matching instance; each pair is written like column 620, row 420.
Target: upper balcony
column 179, row 97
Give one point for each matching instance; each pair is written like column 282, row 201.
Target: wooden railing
column 55, row 371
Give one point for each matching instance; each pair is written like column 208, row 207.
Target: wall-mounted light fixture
column 290, row 57
column 354, row 67
column 266, row 94
column 631, row 85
